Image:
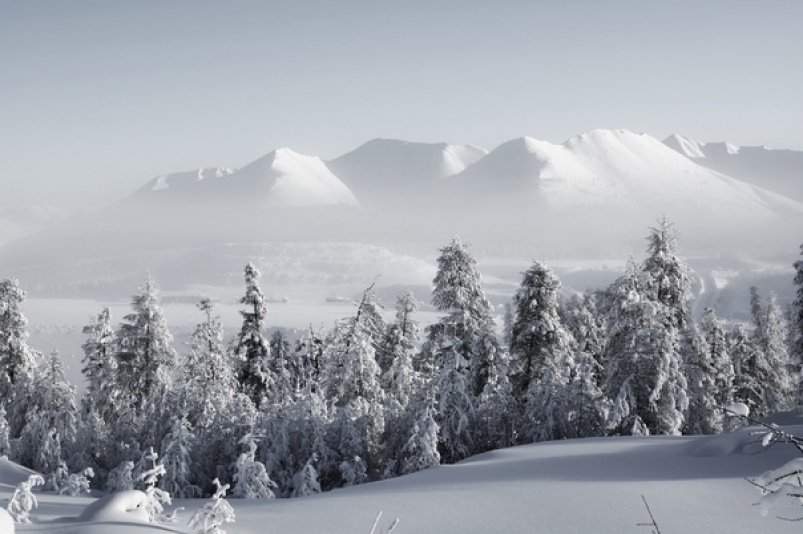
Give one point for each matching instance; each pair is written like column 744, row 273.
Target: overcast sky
column 97, row 97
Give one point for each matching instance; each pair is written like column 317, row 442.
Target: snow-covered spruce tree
column 400, row 378
column 283, row 386
column 421, row 449
column 668, row 277
column 770, row 338
column 145, row 358
column 374, row 322
column 710, row 375
column 55, row 398
column 497, row 412
column 586, row 325
column 18, row 362
column 306, row 361
column 704, row 415
column 644, row 375
column 455, row 404
column 214, row 514
column 457, row 291
column 177, row 449
column 796, row 324
column 100, row 366
column 251, row 477
column 23, row 501
column 206, row 382
column 351, row 380
column 89, row 449
column 121, row 477
column 305, row 482
column 251, row 347
column 5, row 434
column 537, row 336
column 150, row 473
column 589, row 407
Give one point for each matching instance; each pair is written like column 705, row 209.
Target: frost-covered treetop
column 457, row 284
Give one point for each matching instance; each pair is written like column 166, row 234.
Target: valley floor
column 693, row 484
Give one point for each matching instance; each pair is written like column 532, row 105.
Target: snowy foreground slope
column 693, row 484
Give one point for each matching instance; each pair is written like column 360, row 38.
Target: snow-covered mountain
column 591, row 196
column 389, row 166
column 281, row 179
column 617, row 169
column 780, row 171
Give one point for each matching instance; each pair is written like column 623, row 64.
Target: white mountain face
column 392, row 165
column 780, row 171
column 593, row 195
column 618, row 169
column 281, row 179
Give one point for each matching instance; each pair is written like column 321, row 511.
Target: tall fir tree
column 252, row 347
column 100, row 366
column 668, row 277
column 400, row 378
column 643, row 375
column 145, row 357
column 770, row 337
column 796, row 324
column 18, row 362
column 176, row 453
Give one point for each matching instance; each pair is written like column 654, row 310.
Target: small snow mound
column 6, row 522
column 120, row 506
column 12, row 474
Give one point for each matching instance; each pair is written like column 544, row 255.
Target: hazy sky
column 97, row 97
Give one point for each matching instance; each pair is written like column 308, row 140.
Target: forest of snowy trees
column 278, row 417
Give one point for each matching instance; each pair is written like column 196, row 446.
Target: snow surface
column 693, row 484
column 777, row 170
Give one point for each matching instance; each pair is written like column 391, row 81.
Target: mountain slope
column 616, row 169
column 383, row 165
column 780, row 171
column 281, row 179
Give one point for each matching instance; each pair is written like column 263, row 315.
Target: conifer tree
column 705, row 414
column 668, row 277
column 206, row 381
column 400, row 378
column 305, row 482
column 496, row 407
column 538, row 336
column 455, row 405
column 177, row 449
column 146, row 358
column 5, row 434
column 421, row 449
column 18, row 362
column 100, row 366
column 251, row 477
column 796, row 325
column 284, row 383
column 252, row 348
column 644, row 375
column 770, row 338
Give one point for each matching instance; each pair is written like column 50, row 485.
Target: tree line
column 370, row 399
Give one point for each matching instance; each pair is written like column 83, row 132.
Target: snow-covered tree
column 770, row 338
column 18, row 362
column 214, row 514
column 23, row 501
column 589, row 407
column 77, row 483
column 251, row 477
column 155, row 497
column 121, row 477
column 668, row 277
column 496, row 407
column 252, row 348
column 796, row 324
column 55, row 398
column 644, row 375
column 206, row 380
column 306, row 363
column 100, row 366
column 284, row 383
column 705, row 414
column 538, row 337
column 455, row 404
column 421, row 449
column 145, row 358
column 305, row 482
column 177, row 449
column 400, row 378
column 5, row 437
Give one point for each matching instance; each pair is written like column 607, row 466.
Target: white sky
column 98, row 97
